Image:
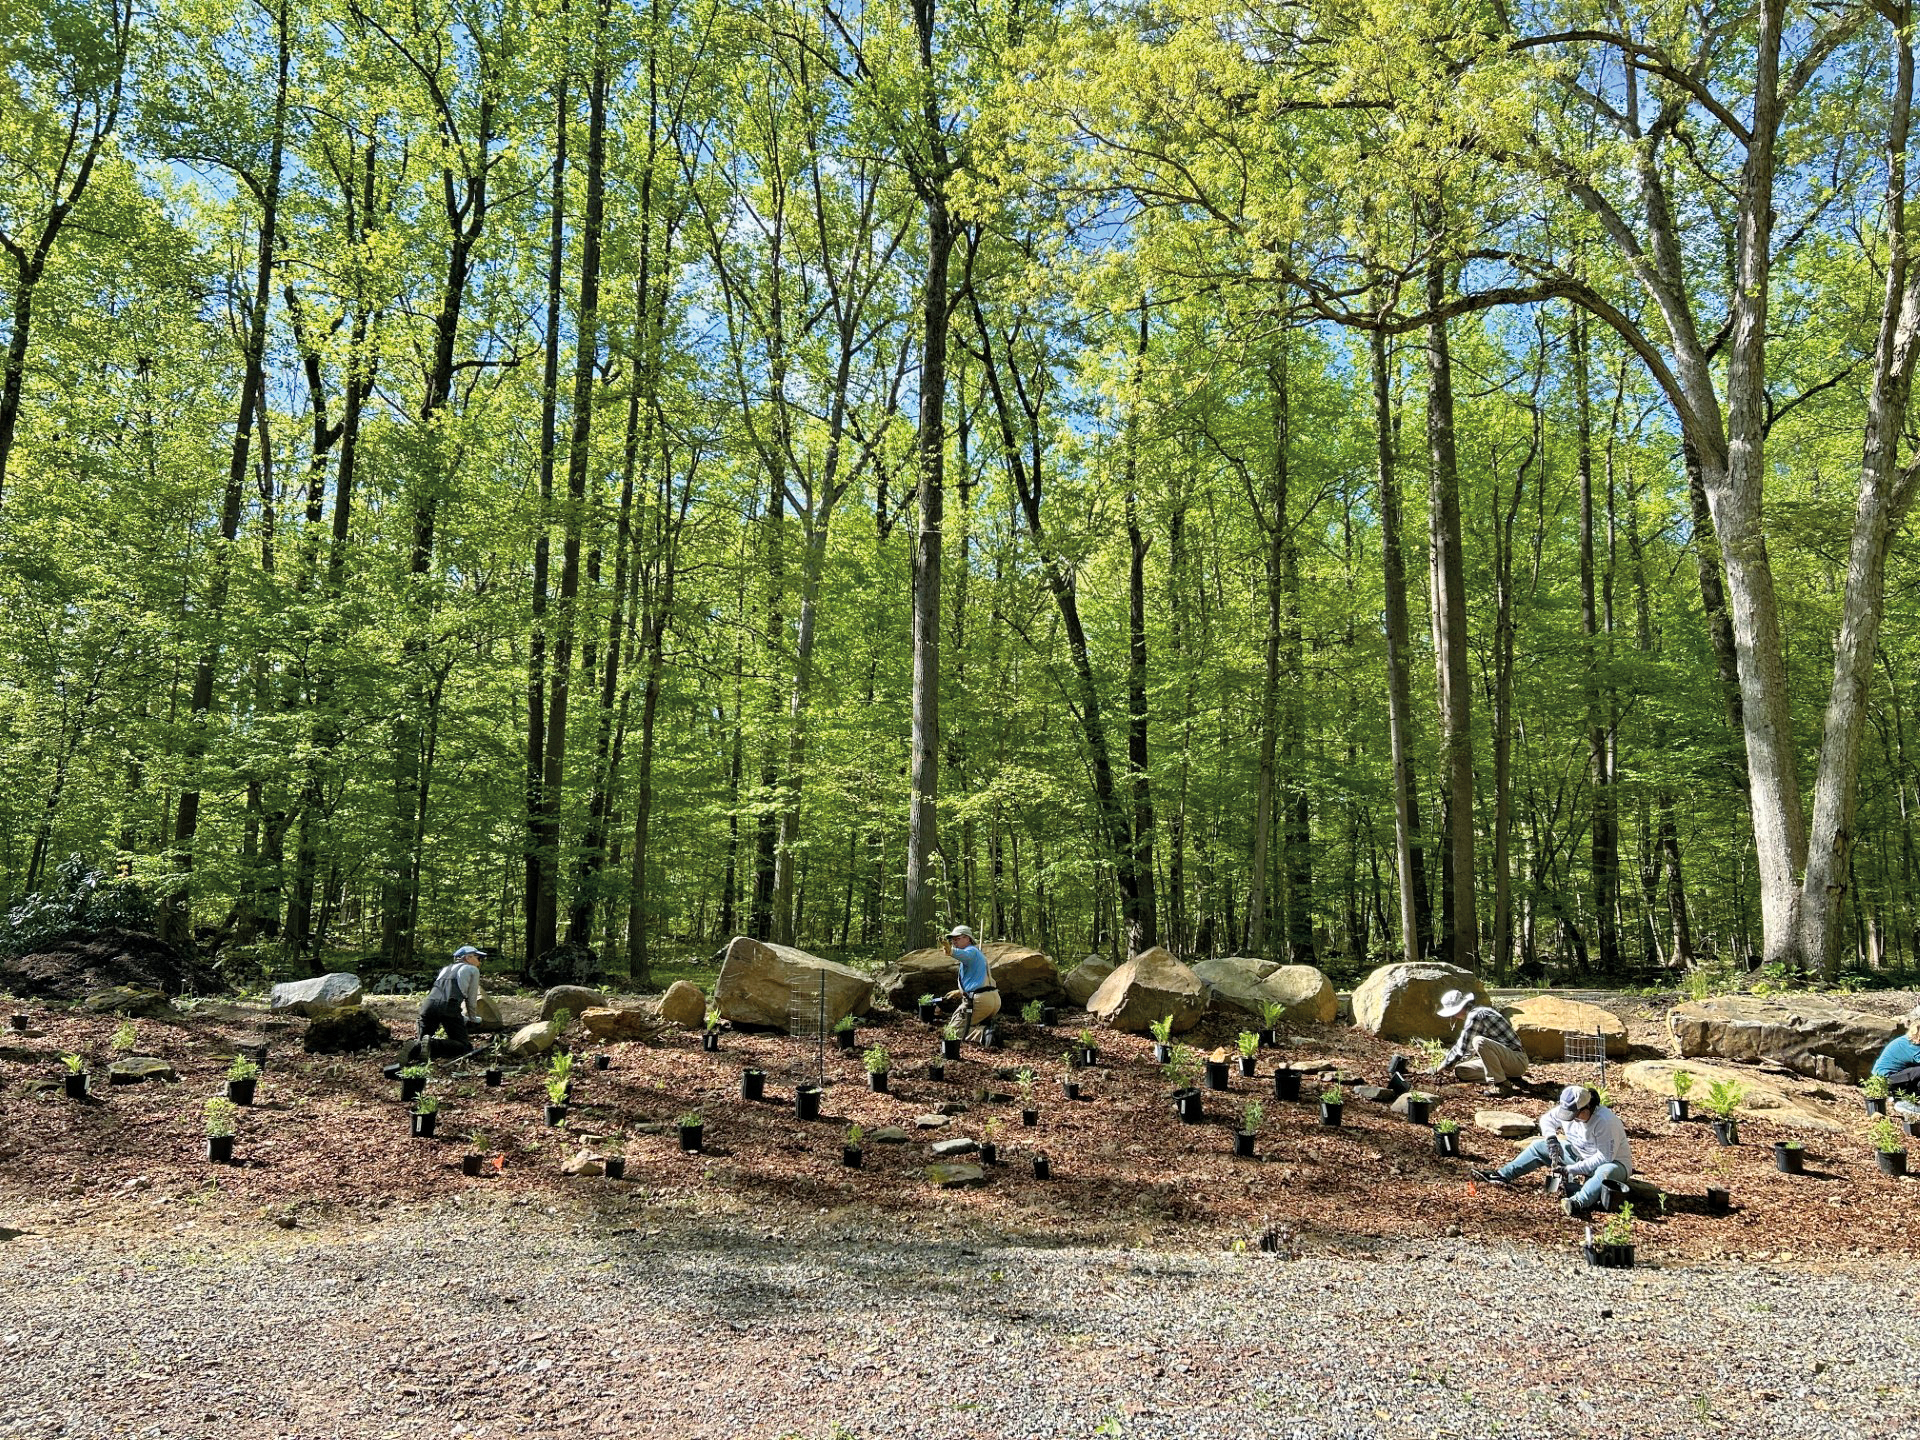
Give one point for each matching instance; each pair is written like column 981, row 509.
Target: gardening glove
column 955, row 997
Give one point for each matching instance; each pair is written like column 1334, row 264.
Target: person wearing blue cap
column 453, row 1000
column 1583, row 1138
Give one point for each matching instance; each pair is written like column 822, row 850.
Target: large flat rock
column 1020, row 972
column 1544, row 1022
column 1247, row 985
column 1145, row 989
column 758, row 981
column 322, row 995
column 1778, row 1099
column 1813, row 1034
column 1402, row 1001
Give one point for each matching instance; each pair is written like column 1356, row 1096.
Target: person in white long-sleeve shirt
column 1593, row 1141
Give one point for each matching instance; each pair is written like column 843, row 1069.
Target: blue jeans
column 1538, row 1154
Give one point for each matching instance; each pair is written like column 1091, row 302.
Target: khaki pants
column 976, row 1009
column 1492, row 1062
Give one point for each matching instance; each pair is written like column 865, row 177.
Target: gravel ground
column 635, row 1314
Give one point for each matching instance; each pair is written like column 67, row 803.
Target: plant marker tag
column 1473, row 1189
column 499, row 1162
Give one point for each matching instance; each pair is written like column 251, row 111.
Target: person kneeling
column 1583, row 1138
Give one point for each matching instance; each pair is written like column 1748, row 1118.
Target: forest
column 1328, row 481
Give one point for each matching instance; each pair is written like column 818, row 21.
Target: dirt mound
column 74, row 967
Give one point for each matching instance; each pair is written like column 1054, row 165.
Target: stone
column 1507, row 1124
column 585, row 1163
column 1402, row 1001
column 127, row 1000
column 757, row 982
column 1373, row 1093
column 486, row 1017
column 535, row 1039
column 345, row 1031
column 1306, row 992
column 1812, row 1034
column 1543, row 1023
column 565, row 964
column 1147, row 988
column 931, row 1122
column 393, row 983
column 888, row 1135
column 1777, row 1099
column 684, row 1005
column 1020, row 972
column 951, row 1176
column 136, row 1068
column 322, row 995
column 1248, row 986
column 1085, row 978
column 576, row 1000
column 958, row 1145
column 612, row 1025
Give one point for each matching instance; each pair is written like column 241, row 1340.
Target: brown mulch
column 329, row 1134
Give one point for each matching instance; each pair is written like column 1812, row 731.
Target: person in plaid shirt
column 1488, row 1049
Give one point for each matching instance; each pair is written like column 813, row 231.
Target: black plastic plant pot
column 1907, row 1122
column 1676, row 1110
column 850, row 1156
column 19, row 1022
column 1892, row 1162
column 471, row 1165
column 806, row 1102
column 1216, row 1074
column 1187, row 1102
column 616, row 1167
column 602, row 1062
column 1243, row 1145
column 989, row 1153
column 423, row 1124
column 1727, row 1131
column 220, row 1149
column 1042, row 1168
column 410, row 1088
column 1070, row 1088
column 949, row 1048
column 1089, row 1054
column 77, row 1086
column 1789, row 1159
column 1330, row 1114
column 937, row 1070
column 1610, row 1257
column 690, row 1136
column 1249, row 1066
column 1029, row 1117
column 556, row 1114
column 1286, row 1084
column 240, row 1092
column 1446, row 1142
column 1049, row 1015
column 1420, row 1112
column 1876, row 1104
column 710, row 1040
column 753, row 1084
column 843, row 1039
column 1162, row 1053
column 1270, row 1039
column 930, row 1012
column 494, row 1076
column 877, row 1079
column 1719, row 1202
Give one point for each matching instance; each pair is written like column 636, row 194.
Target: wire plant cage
column 807, row 1021
column 1584, row 1049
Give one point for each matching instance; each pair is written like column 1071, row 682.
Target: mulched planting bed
column 329, row 1133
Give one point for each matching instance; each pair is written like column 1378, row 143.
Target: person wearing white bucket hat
column 1488, row 1049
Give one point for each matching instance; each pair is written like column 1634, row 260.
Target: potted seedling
column 1874, row 1091
column 426, row 1115
column 1251, row 1114
column 616, row 1159
column 242, row 1075
column 850, row 1149
column 19, row 1022
column 413, row 1079
column 936, row 1068
column 1272, row 1012
column 602, row 1061
column 692, row 1129
column 1887, row 1148
column 1179, row 1070
column 1042, row 1168
column 753, row 1083
column 1286, row 1083
column 806, row 1101
column 843, row 1033
column 1790, row 1157
column 494, row 1076
column 1249, row 1043
column 1612, row 1248
column 990, row 1144
column 929, row 1007
column 1446, row 1137
column 1333, row 1101
column 710, row 1037
column 1089, row 1052
column 1682, row 1086
column 1162, row 1031
column 221, row 1115
column 473, row 1163
column 877, row 1060
column 1069, row 1085
column 1049, row 1015
column 1029, row 1112
column 558, row 1084
column 1216, row 1066
column 1031, row 1012
column 76, row 1076
column 950, row 1039
column 1723, row 1099
column 1419, row 1106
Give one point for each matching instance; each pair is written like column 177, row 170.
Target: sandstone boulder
column 1145, row 989
column 127, row 1000
column 1778, row 1099
column 576, row 1000
column 1086, row 977
column 1402, row 1001
column 684, row 1005
column 1544, row 1022
column 610, row 1025
column 136, row 1068
column 322, row 995
column 486, row 1017
column 1306, row 992
column 1507, row 1124
column 1813, row 1034
column 757, row 983
column 345, row 1031
column 585, row 1163
column 1020, row 972
column 1233, row 982
column 535, row 1039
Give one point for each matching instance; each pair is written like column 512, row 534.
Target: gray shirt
column 458, row 985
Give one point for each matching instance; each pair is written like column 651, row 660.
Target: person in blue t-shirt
column 978, row 999
column 1899, row 1063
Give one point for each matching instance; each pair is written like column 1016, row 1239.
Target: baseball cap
column 465, row 950
column 1577, row 1097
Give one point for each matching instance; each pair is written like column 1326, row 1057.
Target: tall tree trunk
column 1605, row 843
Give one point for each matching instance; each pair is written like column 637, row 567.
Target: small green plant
column 75, row 1065
column 221, row 1114
column 854, row 1135
column 1272, row 1012
column 1333, row 1095
column 126, row 1037
column 690, row 1120
column 1251, row 1115
column 1724, row 1097
column 1885, row 1136
column 1874, row 1087
column 1162, row 1030
column 844, row 1027
column 1032, row 1011
column 1682, row 1084
column 414, row 1072
column 561, row 1019
column 1792, row 1145
column 1181, row 1067
column 1025, row 1081
column 427, row 1105
column 1431, row 1052
column 1618, row 1229
column 876, row 1060
column 953, row 1030
column 929, row 999
column 713, row 1018
column 479, row 1142
column 559, row 1077
column 1085, row 1038
column 994, row 1126
column 1419, row 1097
column 1447, row 1127
column 242, row 1069
column 1249, row 1044
column 1066, row 1062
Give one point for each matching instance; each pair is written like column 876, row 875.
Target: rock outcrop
column 1147, row 988
column 757, row 984
column 1544, row 1022
column 1402, row 1001
column 1813, row 1034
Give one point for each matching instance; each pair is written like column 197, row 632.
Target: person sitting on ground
column 978, row 998
column 453, row 1000
column 1899, row 1062
column 1488, row 1049
column 1583, row 1138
